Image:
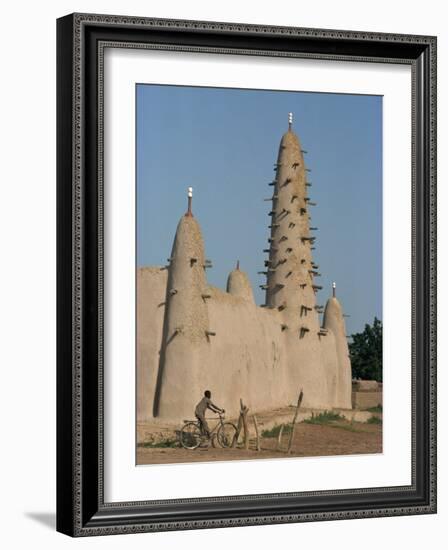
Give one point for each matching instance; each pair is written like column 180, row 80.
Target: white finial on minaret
column 290, row 120
column 190, row 197
column 334, row 289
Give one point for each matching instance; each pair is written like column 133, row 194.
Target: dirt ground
column 338, row 438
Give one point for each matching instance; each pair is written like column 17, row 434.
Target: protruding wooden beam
column 304, row 310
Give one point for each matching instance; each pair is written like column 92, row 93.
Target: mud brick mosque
column 192, row 336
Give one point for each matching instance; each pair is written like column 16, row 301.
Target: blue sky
column 224, row 143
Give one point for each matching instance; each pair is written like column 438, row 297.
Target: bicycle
column 191, row 435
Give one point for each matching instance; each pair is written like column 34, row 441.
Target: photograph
column 259, row 265
column 246, row 273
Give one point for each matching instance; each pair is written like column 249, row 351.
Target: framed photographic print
column 246, row 274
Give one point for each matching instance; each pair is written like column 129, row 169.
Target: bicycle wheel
column 226, row 434
column 190, row 436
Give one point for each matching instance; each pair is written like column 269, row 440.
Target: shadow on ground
column 48, row 519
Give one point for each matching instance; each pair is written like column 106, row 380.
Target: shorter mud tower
column 192, row 336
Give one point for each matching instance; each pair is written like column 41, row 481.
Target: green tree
column 366, row 352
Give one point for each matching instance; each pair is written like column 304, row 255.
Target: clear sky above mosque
column 224, row 143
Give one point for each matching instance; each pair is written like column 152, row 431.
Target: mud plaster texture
column 192, row 336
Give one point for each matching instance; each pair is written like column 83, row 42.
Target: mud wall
column 251, row 355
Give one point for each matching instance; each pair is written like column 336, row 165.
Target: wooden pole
column 238, row 431
column 279, row 438
column 244, row 411
column 242, row 424
column 293, row 426
column 256, row 432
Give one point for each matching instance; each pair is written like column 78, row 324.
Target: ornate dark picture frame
column 81, row 509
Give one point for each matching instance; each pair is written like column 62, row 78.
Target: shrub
column 273, row 432
column 378, row 409
column 162, row 444
column 324, row 418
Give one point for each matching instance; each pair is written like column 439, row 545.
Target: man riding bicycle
column 204, row 404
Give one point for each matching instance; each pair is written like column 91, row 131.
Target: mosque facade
column 192, row 336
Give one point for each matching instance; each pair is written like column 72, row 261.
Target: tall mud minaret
column 290, row 269
column 290, row 287
column 186, row 334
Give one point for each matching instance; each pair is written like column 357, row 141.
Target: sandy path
column 309, row 440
